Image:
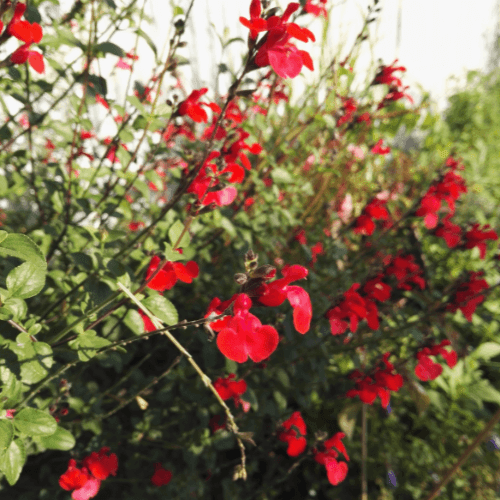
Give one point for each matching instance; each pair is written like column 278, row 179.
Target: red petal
column 287, row 63
column 296, row 446
column 262, row 343
column 230, row 344
column 336, row 471
column 36, row 32
column 302, row 308
column 88, row 490
column 36, row 61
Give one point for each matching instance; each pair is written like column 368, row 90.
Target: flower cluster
column 168, row 275
column 468, row 294
column 85, row 480
column 448, row 188
column 426, row 369
column 230, row 388
column 375, row 209
column 316, row 9
column 28, row 33
column 380, row 384
column 327, row 455
column 193, row 108
column 294, row 430
column 275, row 49
column 396, row 90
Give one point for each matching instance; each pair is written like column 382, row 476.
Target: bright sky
column 439, row 38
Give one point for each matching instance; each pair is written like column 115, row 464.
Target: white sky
column 439, row 38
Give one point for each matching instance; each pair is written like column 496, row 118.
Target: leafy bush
column 249, row 295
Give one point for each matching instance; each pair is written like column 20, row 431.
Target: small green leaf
column 62, row 439
column 6, row 435
column 110, row 48
column 162, row 308
column 281, row 175
column 175, row 232
column 133, row 320
column 87, row 344
column 12, row 461
column 34, row 422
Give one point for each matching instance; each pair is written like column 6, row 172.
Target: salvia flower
column 230, row 388
column 167, row 277
column 327, row 455
column 468, row 295
column 85, row 480
column 293, row 431
column 161, row 475
column 193, row 108
column 243, row 335
column 426, row 369
column 274, row 294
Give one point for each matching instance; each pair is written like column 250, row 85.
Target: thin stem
column 465, row 455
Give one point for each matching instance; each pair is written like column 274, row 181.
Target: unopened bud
column 240, row 278
column 263, row 271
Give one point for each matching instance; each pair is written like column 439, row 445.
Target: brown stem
column 465, row 455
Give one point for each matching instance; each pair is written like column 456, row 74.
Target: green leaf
column 148, row 40
column 281, row 175
column 487, row 350
column 35, row 358
column 6, row 435
column 34, row 422
column 110, row 48
column 12, row 461
column 87, row 344
column 62, row 439
column 133, row 320
column 132, row 99
column 162, row 308
column 174, row 233
column 26, row 280
column 347, row 418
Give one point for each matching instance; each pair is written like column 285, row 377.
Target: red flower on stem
column 193, row 108
column 161, row 475
column 385, row 381
column 468, row 295
column 243, row 336
column 229, row 388
column 427, row 369
column 327, row 456
column 85, row 481
column 274, row 294
column 477, row 236
column 294, row 431
column 276, row 49
column 167, row 277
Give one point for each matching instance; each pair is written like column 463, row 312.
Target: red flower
column 277, row 51
column 86, row 481
column 378, row 149
column 99, row 99
column 193, row 108
column 169, row 274
column 316, row 250
column 327, row 456
column 385, row 75
column 101, row 464
column 244, row 335
column 274, row 294
column 353, row 308
column 161, row 475
column 229, row 388
column 217, row 422
column 375, row 209
column 476, row 237
column 316, row 10
column 385, row 381
column 468, row 295
column 451, row 233
column 406, row 271
column 135, row 226
column 256, row 24
column 294, row 431
column 426, row 369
